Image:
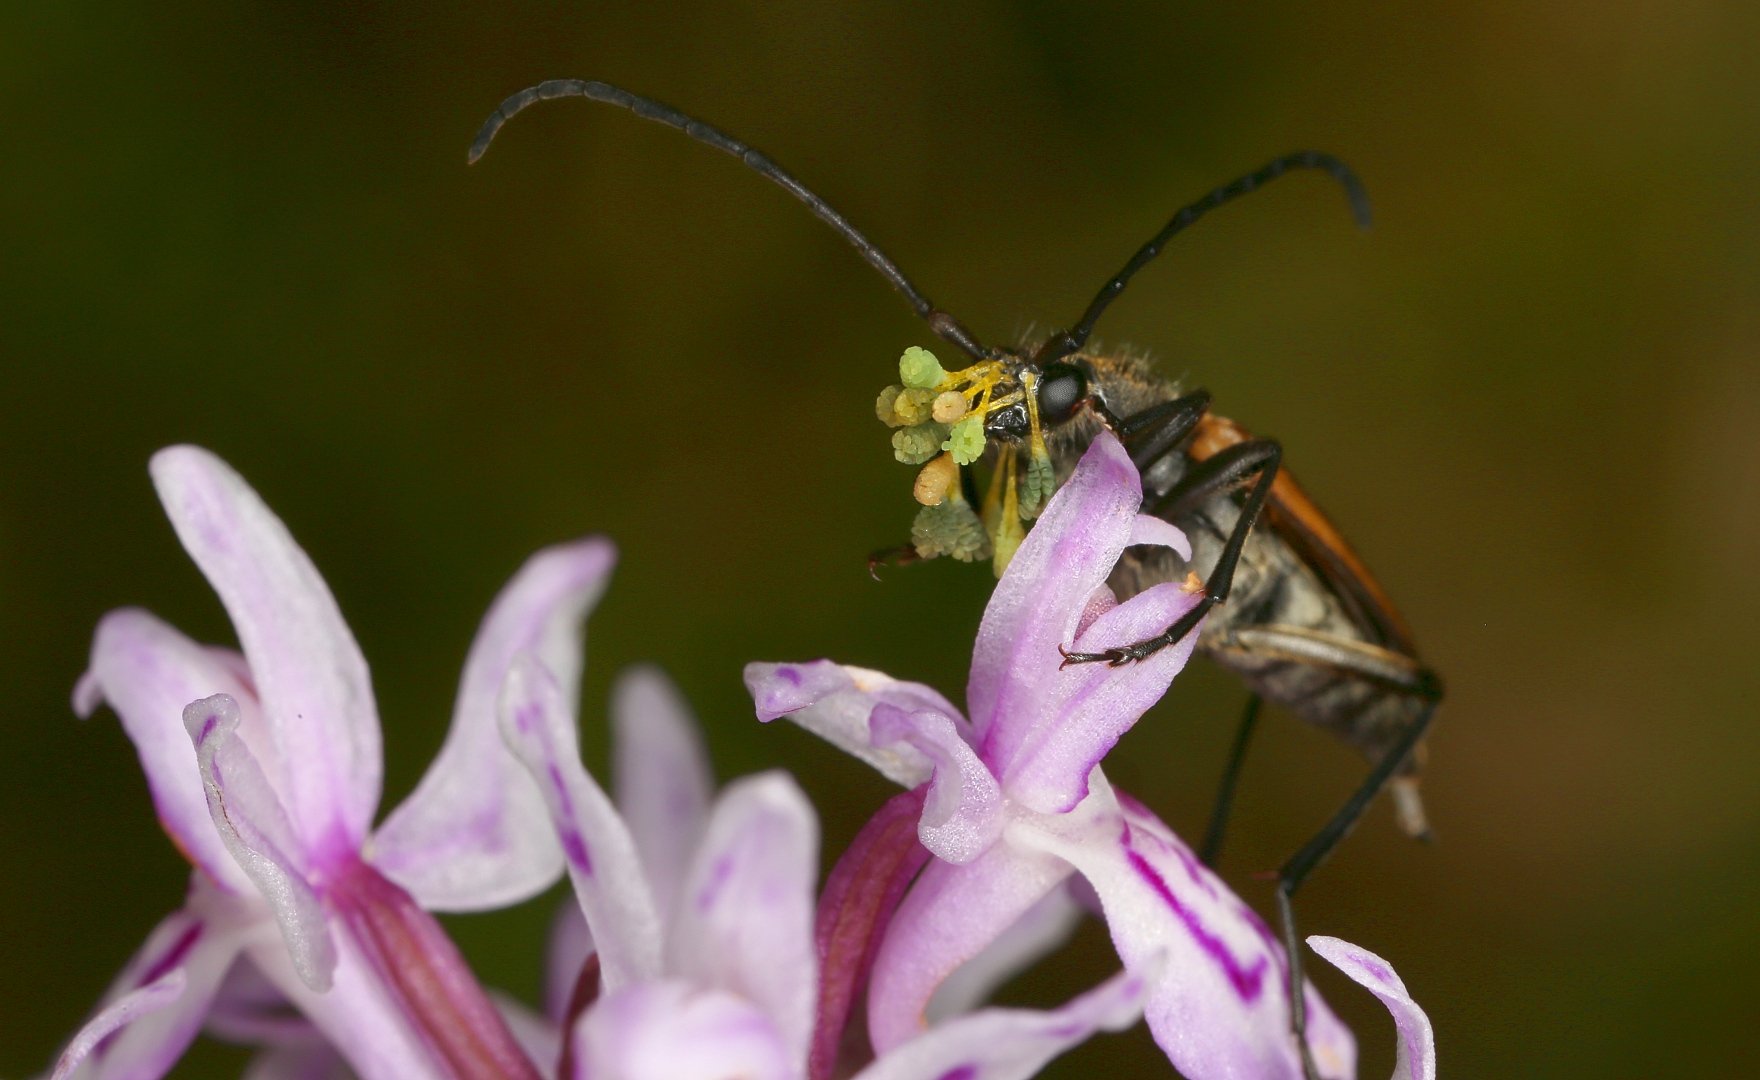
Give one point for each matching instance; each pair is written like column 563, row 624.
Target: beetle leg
column 902, row 555
column 1256, row 458
column 1211, row 849
column 1304, row 862
column 1157, row 431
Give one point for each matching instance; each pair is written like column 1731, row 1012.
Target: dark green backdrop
column 1530, row 394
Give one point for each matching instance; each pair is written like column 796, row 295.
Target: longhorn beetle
column 1305, row 625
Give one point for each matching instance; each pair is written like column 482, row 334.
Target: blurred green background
column 1530, row 395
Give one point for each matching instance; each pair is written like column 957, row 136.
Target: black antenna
column 1061, row 345
column 944, row 325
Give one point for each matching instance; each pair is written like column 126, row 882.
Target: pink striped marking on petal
column 601, row 855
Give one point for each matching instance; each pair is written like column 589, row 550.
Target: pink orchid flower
column 1013, row 805
column 292, row 887
column 699, row 913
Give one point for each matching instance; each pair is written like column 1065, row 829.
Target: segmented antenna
column 1061, row 345
column 944, row 325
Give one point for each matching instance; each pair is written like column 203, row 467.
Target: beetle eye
column 1061, row 388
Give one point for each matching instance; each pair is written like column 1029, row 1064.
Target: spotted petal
column 600, row 853
column 834, row 701
column 474, row 835
column 744, row 922
column 310, row 675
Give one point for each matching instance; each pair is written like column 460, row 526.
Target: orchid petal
column 1016, row 665
column 1090, row 706
column 950, row 915
column 1147, row 529
column 156, row 1025
column 424, row 972
column 833, row 701
column 255, row 828
column 600, row 853
column 571, row 944
column 302, row 1061
column 148, row 672
column 1012, row 1044
column 159, row 994
column 675, row 1031
column 474, row 835
column 310, row 676
column 1041, row 929
column 861, row 894
column 360, row 1015
column 744, row 921
column 1218, row 1008
column 251, row 1010
column 537, row 1036
column 660, row 773
column 963, row 814
column 1416, row 1050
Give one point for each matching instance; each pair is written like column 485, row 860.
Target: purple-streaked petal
column 950, row 915
column 571, row 943
column 310, row 676
column 159, row 994
column 1045, row 926
column 426, row 976
column 963, row 813
column 744, row 919
column 1088, row 707
column 157, row 1023
column 861, row 894
column 676, row 1031
column 536, row 1034
column 148, row 672
column 1219, row 1007
column 474, row 835
column 659, row 774
column 833, row 701
column 302, row 1061
column 255, row 829
column 600, row 853
column 1416, row 1050
column 360, row 1015
column 1035, row 609
column 1011, row 1044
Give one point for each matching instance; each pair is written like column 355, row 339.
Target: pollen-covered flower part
column 1014, row 804
column 939, row 419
